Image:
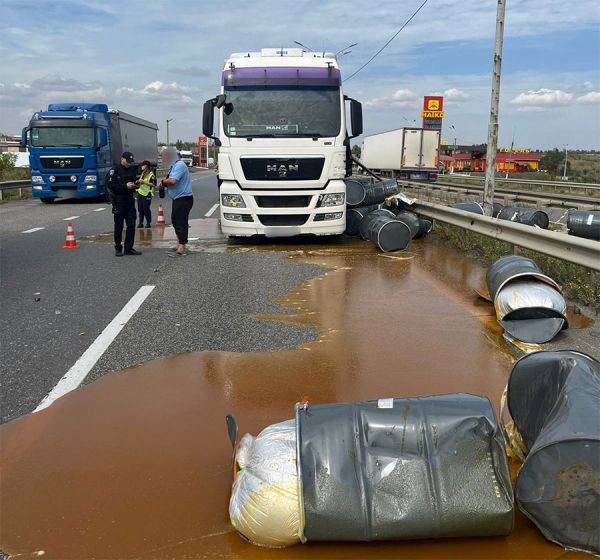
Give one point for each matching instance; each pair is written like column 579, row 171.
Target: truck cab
column 283, row 144
column 72, row 147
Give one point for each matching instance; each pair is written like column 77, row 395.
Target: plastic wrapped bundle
column 264, row 505
column 527, row 216
column 584, row 223
column 554, row 400
column 403, row 469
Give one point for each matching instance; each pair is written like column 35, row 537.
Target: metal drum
column 360, row 193
column 363, row 226
column 554, row 400
column 411, row 220
column 473, row 207
column 584, row 223
column 425, row 226
column 527, row 216
column 355, row 215
column 389, row 234
column 403, row 469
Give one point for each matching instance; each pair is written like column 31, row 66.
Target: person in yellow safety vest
column 145, row 191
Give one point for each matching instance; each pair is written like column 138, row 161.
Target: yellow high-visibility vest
column 146, row 183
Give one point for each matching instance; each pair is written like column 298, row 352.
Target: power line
column 392, row 38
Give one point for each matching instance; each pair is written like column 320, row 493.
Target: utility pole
column 492, row 144
column 454, row 150
column 168, row 142
column 564, row 178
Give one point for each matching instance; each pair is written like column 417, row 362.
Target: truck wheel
column 49, row 200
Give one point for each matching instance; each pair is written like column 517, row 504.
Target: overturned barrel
column 389, row 233
column 527, row 216
column 411, row 220
column 425, row 226
column 363, row 225
column 584, row 223
column 361, row 193
column 554, row 400
column 355, row 215
column 473, row 207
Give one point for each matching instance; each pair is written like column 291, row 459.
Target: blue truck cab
column 72, row 147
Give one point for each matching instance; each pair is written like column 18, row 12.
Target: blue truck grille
column 61, row 162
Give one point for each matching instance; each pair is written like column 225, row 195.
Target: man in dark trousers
column 121, row 184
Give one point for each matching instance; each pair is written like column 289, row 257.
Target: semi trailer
column 408, row 153
column 72, row 147
column 284, row 148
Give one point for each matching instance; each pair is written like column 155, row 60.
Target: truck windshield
column 290, row 111
column 62, row 136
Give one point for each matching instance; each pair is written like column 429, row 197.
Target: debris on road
column 529, row 305
column 375, row 470
column 584, row 223
column 554, row 400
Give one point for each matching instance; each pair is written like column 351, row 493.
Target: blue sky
column 161, row 59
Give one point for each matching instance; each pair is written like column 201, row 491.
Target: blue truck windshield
column 285, row 111
column 62, row 136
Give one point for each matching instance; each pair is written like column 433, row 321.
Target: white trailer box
column 411, row 153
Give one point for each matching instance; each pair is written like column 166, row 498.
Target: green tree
column 7, row 165
column 356, row 151
column 554, row 161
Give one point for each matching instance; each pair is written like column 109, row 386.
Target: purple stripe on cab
column 280, row 75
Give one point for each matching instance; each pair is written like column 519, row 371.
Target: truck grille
column 283, row 219
column 295, row 201
column 282, row 169
column 60, row 162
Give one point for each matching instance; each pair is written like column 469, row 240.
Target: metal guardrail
column 535, row 197
column 584, row 252
column 9, row 185
column 556, row 184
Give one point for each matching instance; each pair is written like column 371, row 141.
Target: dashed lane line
column 99, row 209
column 70, row 218
column 211, row 211
column 33, row 229
column 78, row 372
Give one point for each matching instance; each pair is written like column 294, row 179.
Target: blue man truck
column 72, row 147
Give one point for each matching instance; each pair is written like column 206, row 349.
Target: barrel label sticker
column 385, row 403
column 590, row 218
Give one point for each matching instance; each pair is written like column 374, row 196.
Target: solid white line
column 70, row 218
column 78, row 372
column 32, row 230
column 99, row 209
column 211, row 211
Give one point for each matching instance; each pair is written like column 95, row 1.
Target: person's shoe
column 140, row 226
column 148, row 226
column 118, row 253
column 132, row 252
column 172, row 250
column 176, row 254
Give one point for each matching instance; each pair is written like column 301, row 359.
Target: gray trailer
column 135, row 135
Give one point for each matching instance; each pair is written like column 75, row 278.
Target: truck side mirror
column 356, row 120
column 24, row 138
column 102, row 137
column 208, row 118
column 220, row 100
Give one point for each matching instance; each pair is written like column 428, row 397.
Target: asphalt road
column 55, row 302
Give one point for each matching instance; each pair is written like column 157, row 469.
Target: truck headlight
column 90, row 179
column 73, row 178
column 338, row 165
column 52, row 178
column 38, row 188
column 37, row 179
column 329, row 216
column 233, row 200
column 333, row 199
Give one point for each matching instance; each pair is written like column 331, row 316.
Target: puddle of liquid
column 138, row 463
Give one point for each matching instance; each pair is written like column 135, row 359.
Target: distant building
column 11, row 144
column 473, row 158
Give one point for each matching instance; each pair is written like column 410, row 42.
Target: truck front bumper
column 262, row 216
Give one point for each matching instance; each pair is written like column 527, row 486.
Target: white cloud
column 454, row 94
column 591, row 97
column 532, row 109
column 159, row 91
column 542, row 98
column 400, row 98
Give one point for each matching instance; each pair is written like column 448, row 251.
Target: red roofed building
column 475, row 160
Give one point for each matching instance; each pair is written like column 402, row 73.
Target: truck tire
column 49, row 200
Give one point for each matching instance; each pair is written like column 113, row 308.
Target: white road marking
column 211, row 211
column 78, row 372
column 70, row 218
column 99, row 209
column 32, row 230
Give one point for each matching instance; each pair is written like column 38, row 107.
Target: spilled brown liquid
column 138, row 463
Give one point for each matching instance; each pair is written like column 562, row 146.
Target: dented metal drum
column 359, row 192
column 355, row 215
column 411, row 220
column 403, row 469
column 389, row 234
column 527, row 216
column 363, row 226
column 554, row 400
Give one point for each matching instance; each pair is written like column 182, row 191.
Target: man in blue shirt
column 179, row 187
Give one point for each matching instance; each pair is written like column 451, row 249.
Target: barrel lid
column 535, row 331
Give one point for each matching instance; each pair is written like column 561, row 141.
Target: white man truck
column 284, row 150
column 409, row 153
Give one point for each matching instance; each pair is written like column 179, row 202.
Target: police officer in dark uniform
column 121, row 183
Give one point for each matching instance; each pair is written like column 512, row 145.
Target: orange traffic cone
column 160, row 219
column 71, row 242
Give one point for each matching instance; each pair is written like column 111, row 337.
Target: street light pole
column 168, row 142
column 492, row 145
column 565, row 168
